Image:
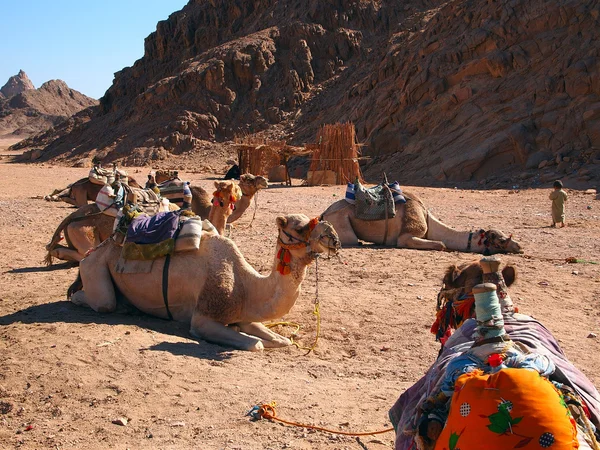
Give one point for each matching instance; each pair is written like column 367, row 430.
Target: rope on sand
column 267, row 411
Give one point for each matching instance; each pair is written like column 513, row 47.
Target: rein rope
column 267, row 411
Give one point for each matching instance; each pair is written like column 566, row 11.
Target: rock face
column 16, row 84
column 30, row 111
column 439, row 91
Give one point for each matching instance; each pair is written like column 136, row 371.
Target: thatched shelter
column 335, row 155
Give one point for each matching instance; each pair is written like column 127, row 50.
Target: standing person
column 559, row 198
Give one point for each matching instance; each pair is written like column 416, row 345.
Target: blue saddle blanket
column 394, row 187
column 146, row 229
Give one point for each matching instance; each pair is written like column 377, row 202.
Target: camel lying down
column 213, row 288
column 467, row 400
column 414, row 227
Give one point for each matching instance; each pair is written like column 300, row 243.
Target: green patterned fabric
column 146, row 252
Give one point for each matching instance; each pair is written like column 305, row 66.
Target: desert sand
column 66, row 373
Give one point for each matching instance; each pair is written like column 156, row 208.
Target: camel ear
column 216, row 185
column 281, row 221
column 452, row 274
column 510, row 274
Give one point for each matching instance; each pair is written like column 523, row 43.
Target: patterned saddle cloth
column 177, row 192
column 372, row 203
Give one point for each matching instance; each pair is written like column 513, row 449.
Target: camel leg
column 80, row 195
column 205, row 328
column 99, row 292
column 66, row 254
column 269, row 338
column 409, row 241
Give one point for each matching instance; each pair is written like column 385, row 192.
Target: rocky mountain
column 25, row 110
column 440, row 91
column 16, row 84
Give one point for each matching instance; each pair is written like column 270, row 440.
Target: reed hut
column 335, row 156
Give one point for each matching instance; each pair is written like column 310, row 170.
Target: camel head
column 497, row 242
column 226, row 194
column 455, row 301
column 162, row 175
column 301, row 235
column 250, row 184
column 467, row 275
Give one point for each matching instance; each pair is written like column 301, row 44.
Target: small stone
column 543, row 164
column 178, row 424
column 575, row 272
column 592, row 335
column 419, row 297
column 122, row 421
column 589, row 206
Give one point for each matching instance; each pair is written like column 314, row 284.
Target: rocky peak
column 17, row 84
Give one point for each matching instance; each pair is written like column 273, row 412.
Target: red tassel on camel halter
column 285, row 257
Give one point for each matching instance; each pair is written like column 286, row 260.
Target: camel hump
column 335, row 207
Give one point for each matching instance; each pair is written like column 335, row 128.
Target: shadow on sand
column 67, row 312
column 52, row 268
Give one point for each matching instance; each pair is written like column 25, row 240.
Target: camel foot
column 78, row 298
column 269, row 338
column 205, row 328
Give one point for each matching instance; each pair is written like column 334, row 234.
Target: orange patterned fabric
column 511, row 409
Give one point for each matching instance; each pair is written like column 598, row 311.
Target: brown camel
column 224, row 201
column 82, row 191
column 213, row 289
column 85, row 228
column 202, row 201
column 250, row 185
column 414, row 227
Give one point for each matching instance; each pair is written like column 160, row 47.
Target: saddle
column 151, row 237
column 374, row 203
column 99, row 175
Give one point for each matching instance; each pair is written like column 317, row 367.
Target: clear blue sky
column 82, row 42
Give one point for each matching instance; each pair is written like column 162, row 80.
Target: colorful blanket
column 520, row 328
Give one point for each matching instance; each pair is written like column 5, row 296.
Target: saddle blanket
column 176, row 191
column 394, row 187
column 149, row 238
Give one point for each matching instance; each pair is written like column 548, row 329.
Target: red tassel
column 286, row 270
column 287, row 257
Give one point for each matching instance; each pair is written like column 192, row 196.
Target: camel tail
column 76, row 286
column 56, row 239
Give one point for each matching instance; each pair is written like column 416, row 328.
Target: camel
column 83, row 229
column 421, row 411
column 82, row 191
column 250, row 185
column 201, row 200
column 213, row 289
column 223, row 204
column 414, row 227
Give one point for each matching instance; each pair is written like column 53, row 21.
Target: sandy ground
column 66, row 372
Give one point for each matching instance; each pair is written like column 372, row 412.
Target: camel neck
column 277, row 293
column 462, row 241
column 240, row 207
column 218, row 217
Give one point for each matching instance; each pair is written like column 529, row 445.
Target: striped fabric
column 394, row 187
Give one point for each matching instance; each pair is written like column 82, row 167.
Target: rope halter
column 284, row 255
